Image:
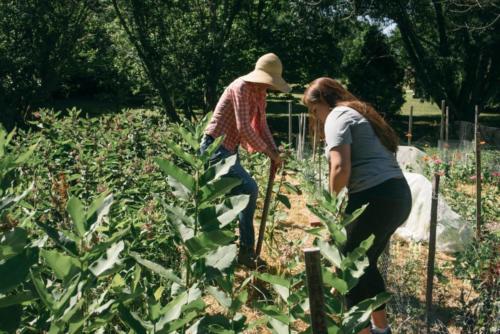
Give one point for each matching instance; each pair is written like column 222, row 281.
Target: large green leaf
column 222, row 214
column 183, row 223
column 12, row 243
column 59, row 238
column 172, row 311
column 173, row 326
column 331, row 253
column 274, row 312
column 292, row 188
column 337, row 232
column 222, row 257
column 64, row 266
column 103, row 245
column 207, row 241
column 222, row 298
column 323, row 215
column 182, row 154
column 156, row 268
column 278, row 326
column 348, row 219
column 44, row 295
column 217, row 188
column 205, row 157
column 355, row 259
column 97, row 211
column 17, row 298
column 178, row 189
column 178, row 174
column 358, row 316
column 218, row 170
column 335, row 282
column 273, row 279
column 77, row 213
column 284, row 199
column 131, row 320
column 188, row 137
column 108, row 262
column 279, row 284
column 14, row 271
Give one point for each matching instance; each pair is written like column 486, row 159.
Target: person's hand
column 276, row 161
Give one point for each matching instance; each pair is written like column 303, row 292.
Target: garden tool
column 265, row 211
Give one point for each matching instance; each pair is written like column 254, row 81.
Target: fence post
column 315, row 290
column 299, row 138
column 315, row 139
column 447, row 123
column 432, row 250
column 478, row 174
column 290, row 123
column 410, row 126
column 441, row 129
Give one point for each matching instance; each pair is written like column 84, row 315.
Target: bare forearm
column 339, row 178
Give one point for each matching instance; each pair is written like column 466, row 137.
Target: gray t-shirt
column 371, row 162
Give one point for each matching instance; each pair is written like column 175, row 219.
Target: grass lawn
column 420, row 107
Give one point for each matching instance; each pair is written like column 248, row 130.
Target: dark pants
column 389, row 206
column 248, row 186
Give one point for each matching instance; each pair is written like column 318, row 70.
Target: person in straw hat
column 240, row 117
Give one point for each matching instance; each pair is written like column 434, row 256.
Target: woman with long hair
column 361, row 149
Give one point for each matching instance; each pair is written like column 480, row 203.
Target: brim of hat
column 276, row 81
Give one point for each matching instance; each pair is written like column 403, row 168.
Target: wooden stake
column 432, row 250
column 315, row 290
column 290, row 123
column 478, row 175
column 320, row 181
column 265, row 210
column 299, row 138
column 441, row 129
column 410, row 125
column 315, row 139
column 447, row 123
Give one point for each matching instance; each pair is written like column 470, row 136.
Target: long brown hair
column 329, row 91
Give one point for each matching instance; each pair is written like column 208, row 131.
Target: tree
column 373, row 72
column 37, row 41
column 303, row 34
column 182, row 45
column 451, row 44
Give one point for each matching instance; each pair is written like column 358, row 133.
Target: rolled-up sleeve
column 242, row 106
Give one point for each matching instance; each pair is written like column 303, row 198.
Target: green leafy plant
column 16, row 255
column 342, row 271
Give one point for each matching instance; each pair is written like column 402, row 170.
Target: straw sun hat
column 268, row 70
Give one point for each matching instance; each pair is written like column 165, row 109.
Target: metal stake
column 432, row 250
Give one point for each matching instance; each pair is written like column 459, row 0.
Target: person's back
column 371, row 162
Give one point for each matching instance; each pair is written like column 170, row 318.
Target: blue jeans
column 247, row 187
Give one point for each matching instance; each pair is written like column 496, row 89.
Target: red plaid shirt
column 240, row 115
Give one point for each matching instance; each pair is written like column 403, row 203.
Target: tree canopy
column 179, row 55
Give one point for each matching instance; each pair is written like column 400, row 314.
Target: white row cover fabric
column 411, row 159
column 452, row 233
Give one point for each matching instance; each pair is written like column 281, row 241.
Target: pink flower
column 473, row 177
column 495, row 174
column 438, row 161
